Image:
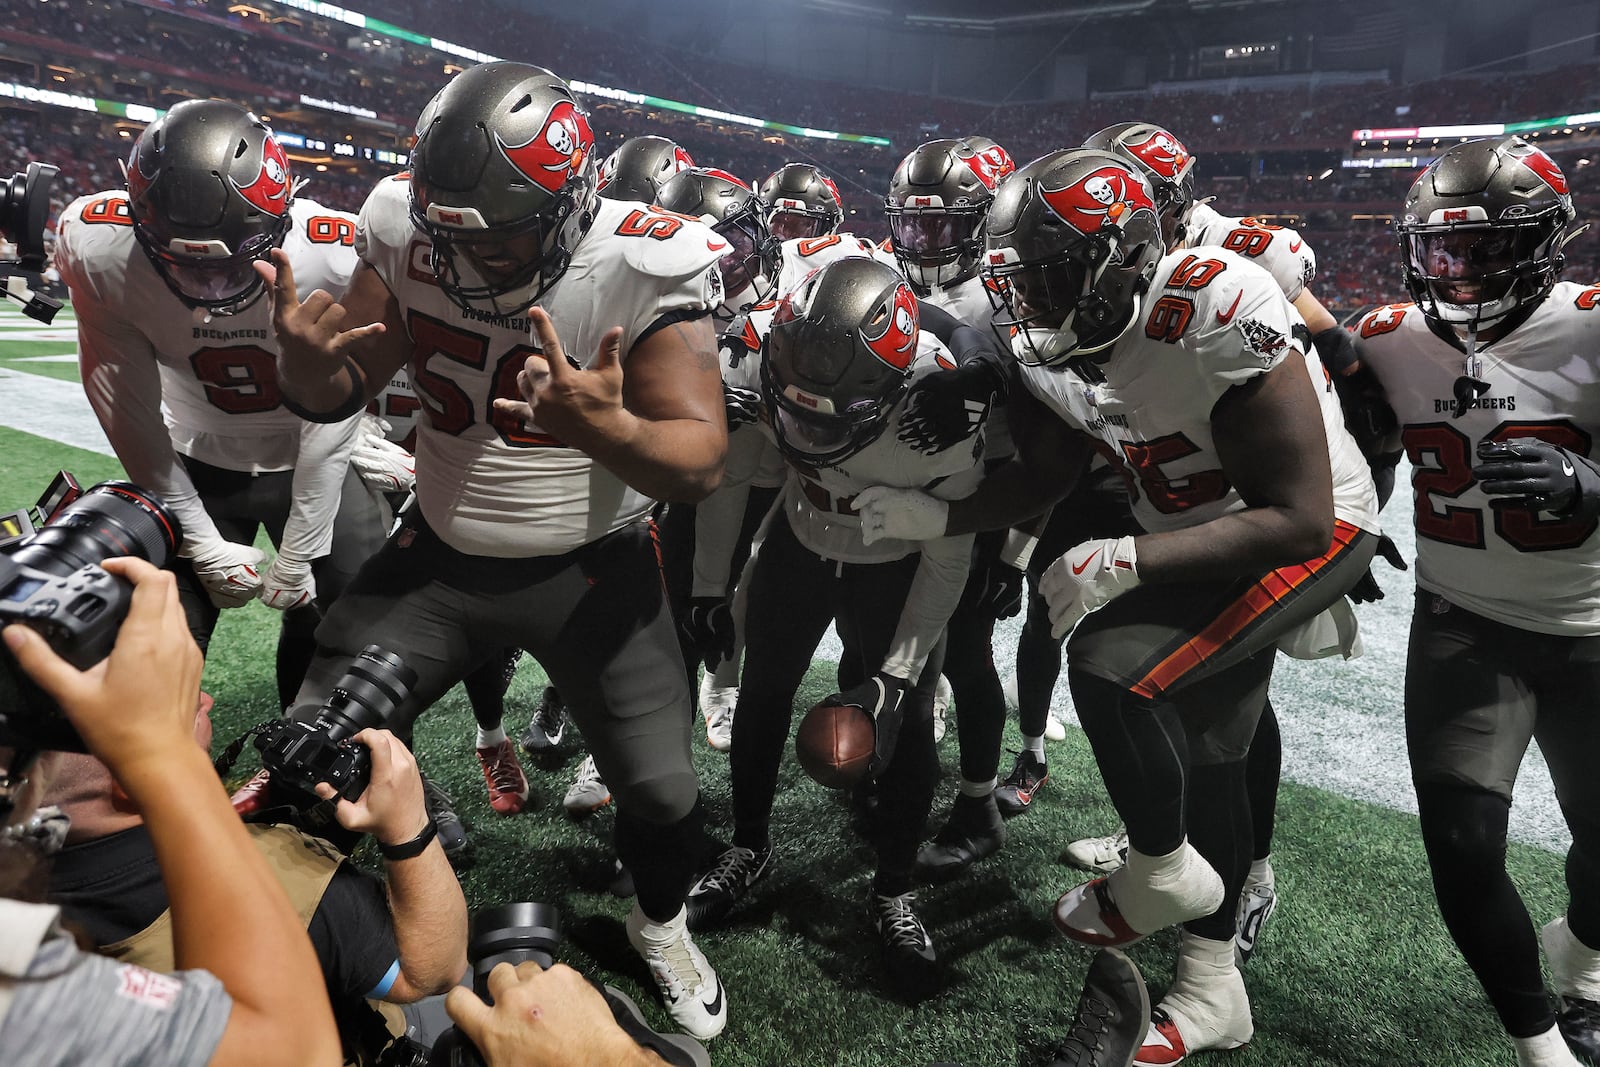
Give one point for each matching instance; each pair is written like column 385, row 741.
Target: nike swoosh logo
column 1295, row 246
column 1566, row 468
column 715, row 1007
column 715, row 246
column 1079, row 568
column 1225, row 319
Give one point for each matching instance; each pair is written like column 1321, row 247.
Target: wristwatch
column 407, row 849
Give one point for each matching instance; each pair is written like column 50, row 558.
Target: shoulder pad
column 655, row 242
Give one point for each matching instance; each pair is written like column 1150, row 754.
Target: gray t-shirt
column 76, row 1008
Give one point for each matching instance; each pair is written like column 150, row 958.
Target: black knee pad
column 1464, row 831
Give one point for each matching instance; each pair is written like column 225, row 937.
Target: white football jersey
column 1280, row 250
column 397, row 405
column 490, row 484
column 219, row 381
column 1211, row 320
column 802, row 255
column 1526, row 569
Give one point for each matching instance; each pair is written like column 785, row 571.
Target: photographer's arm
column 426, row 907
column 135, row 711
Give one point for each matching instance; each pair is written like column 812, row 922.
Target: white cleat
column 689, row 985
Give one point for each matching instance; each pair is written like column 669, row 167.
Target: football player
column 640, row 167
column 1493, row 371
column 1184, row 369
column 802, row 202
column 721, row 528
column 1189, row 222
column 938, row 198
column 562, row 348
column 837, row 357
column 170, row 316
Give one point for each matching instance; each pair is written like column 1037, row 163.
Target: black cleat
column 549, row 724
column 909, row 957
column 1028, row 775
column 1579, row 1022
column 727, row 881
column 1113, row 1015
column 442, row 809
column 974, row 830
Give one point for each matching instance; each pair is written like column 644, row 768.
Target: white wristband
column 1018, row 548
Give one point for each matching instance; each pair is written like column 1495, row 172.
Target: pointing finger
column 549, row 341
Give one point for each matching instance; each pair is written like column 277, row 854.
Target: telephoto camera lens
column 512, row 933
column 376, row 684
column 112, row 519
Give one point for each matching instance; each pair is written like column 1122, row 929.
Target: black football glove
column 743, row 406
column 882, row 697
column 1367, row 590
column 947, row 407
column 708, row 627
column 1001, row 591
column 1525, row 472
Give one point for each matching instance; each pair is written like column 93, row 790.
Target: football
column 835, row 744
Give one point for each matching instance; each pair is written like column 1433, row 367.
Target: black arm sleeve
column 967, row 344
column 353, row 934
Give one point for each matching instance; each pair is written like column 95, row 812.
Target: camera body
column 301, row 754
column 24, row 208
column 51, row 581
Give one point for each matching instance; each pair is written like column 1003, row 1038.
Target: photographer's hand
column 391, row 808
column 425, row 902
column 540, row 1018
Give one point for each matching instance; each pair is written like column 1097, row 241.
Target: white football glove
column 382, row 464
column 289, row 584
column 1087, row 577
column 231, row 573
column 903, row 514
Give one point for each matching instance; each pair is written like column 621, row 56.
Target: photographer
column 399, row 949
column 258, row 1004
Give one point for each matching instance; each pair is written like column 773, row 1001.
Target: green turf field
column 1354, row 969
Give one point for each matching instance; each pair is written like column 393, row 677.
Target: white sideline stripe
column 1353, row 746
column 50, row 408
column 65, row 357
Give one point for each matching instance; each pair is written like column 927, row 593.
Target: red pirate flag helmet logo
column 1104, row 198
column 681, row 159
column 892, row 333
column 1542, row 165
column 557, row 152
column 988, row 164
column 270, row 189
column 1163, row 153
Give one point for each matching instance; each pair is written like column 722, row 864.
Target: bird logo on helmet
column 892, row 333
column 270, row 189
column 1098, row 200
column 556, row 153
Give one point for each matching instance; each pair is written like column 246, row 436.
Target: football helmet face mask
column 1073, row 241
column 801, row 202
column 640, row 167
column 1165, row 163
column 209, row 189
column 838, row 360
column 936, row 205
column 1482, row 231
column 750, row 267
column 503, row 183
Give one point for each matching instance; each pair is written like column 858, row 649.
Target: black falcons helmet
column 209, row 188
column 937, row 201
column 1482, row 231
column 838, row 359
column 750, row 267
column 640, row 167
column 1167, row 165
column 1073, row 240
column 503, row 183
column 801, row 202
